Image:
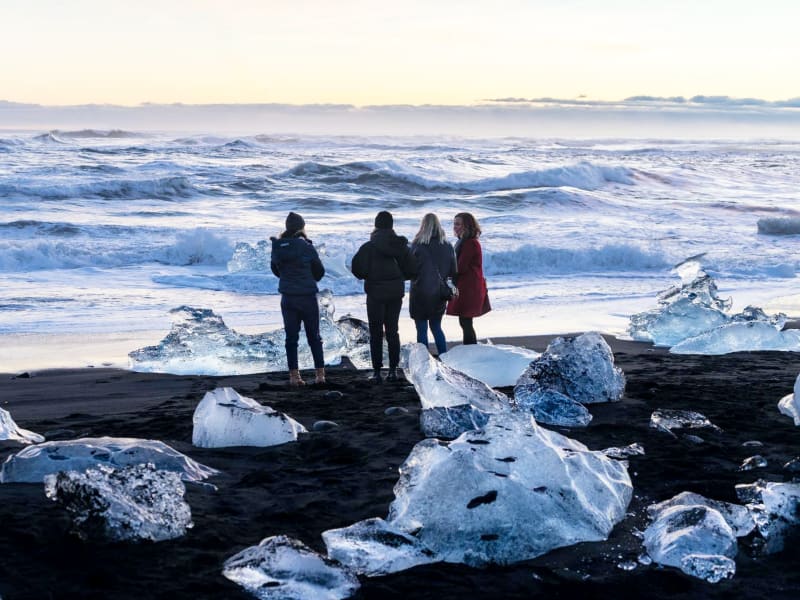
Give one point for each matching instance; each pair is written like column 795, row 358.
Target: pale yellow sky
column 417, row 51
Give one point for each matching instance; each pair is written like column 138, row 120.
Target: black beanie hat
column 384, row 220
column 294, row 222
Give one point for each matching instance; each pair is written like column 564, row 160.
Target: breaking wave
column 163, row 188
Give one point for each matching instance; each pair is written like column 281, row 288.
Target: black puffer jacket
column 437, row 262
column 296, row 263
column 384, row 263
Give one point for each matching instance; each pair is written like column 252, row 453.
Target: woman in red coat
column 472, row 299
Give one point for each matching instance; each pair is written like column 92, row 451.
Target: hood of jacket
column 387, row 242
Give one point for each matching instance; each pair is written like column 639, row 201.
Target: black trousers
column 305, row 310
column 468, row 330
column 383, row 318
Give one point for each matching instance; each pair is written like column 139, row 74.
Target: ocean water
column 103, row 232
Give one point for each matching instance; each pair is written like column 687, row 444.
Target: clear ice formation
column 775, row 508
column 374, row 547
column 200, row 343
column 225, row 418
column 463, row 499
column 571, row 372
column 282, row 568
column 753, row 462
column 496, row 365
column 669, row 419
column 693, row 319
column 129, row 504
column 693, row 536
column 33, row 463
column 790, row 405
column 625, row 452
column 452, row 402
column 735, row 515
column 9, row 430
column 739, row 336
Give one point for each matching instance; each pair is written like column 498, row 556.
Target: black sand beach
column 336, row 478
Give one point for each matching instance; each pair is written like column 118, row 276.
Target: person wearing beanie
column 296, row 264
column 384, row 263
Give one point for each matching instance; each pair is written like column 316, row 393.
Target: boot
column 294, row 378
column 376, row 377
column 392, row 375
column 320, row 375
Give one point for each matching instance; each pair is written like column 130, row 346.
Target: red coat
column 472, row 299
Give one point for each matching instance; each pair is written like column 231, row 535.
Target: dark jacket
column 384, row 263
column 296, row 263
column 473, row 298
column 437, row 261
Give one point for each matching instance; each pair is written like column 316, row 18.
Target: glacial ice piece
column 128, row 504
column 282, row 568
column 9, row 430
column 693, row 319
column 668, row 419
column 779, row 225
column 248, row 257
column 200, row 343
column 711, row 567
column 466, row 500
column 451, row 421
column 753, row 462
column 467, row 400
column 624, row 452
column 374, row 547
column 790, row 405
column 735, row 515
column 740, row 336
column 495, row 365
column 31, row 464
column 775, row 508
column 550, row 407
column 694, row 538
column 225, row 418
column 571, row 370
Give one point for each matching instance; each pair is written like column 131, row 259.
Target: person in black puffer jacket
column 296, row 263
column 384, row 263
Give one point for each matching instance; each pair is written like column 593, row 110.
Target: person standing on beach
column 384, row 263
column 430, row 290
column 473, row 298
column 296, row 263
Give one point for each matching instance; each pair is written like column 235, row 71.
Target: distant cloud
column 637, row 116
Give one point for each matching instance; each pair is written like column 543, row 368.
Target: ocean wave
column 389, row 174
column 95, row 133
column 779, row 226
column 49, row 138
column 42, row 227
column 532, row 259
column 195, row 247
column 163, row 188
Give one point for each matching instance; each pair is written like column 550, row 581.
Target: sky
column 369, row 52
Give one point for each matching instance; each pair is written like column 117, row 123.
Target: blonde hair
column 430, row 229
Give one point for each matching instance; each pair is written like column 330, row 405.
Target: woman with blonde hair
column 473, row 298
column 430, row 290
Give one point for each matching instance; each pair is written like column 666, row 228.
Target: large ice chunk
column 775, row 508
column 375, row 547
column 129, row 504
column 452, row 402
column 571, row 372
column 496, row 365
column 790, row 405
column 740, row 336
column 735, row 515
column 31, row 464
column 507, row 493
column 695, row 538
column 225, row 418
column 692, row 318
column 200, row 343
column 282, row 568
column 9, row 430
